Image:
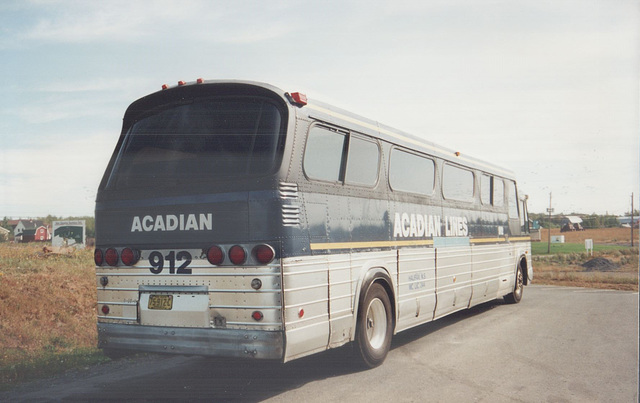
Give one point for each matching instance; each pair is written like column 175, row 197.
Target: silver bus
column 235, row 219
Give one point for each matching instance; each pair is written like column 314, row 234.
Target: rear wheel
column 516, row 295
column 374, row 327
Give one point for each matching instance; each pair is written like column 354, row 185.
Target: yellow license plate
column 162, row 302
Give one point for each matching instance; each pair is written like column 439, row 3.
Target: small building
column 42, row 234
column 626, row 221
column 571, row 223
column 25, row 230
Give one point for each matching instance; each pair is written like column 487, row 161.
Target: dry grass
column 608, row 236
column 566, row 269
column 47, row 304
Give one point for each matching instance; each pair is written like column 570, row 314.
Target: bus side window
column 513, row 200
column 498, row 192
column 457, row 183
column 411, row 173
column 363, row 162
column 485, row 189
column 324, row 155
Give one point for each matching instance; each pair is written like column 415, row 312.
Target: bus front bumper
column 268, row 345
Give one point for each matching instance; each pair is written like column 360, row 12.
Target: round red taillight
column 237, row 254
column 111, row 257
column 105, row 309
column 257, row 316
column 215, row 255
column 129, row 256
column 98, row 257
column 264, row 253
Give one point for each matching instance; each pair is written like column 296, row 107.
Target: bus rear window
column 199, row 141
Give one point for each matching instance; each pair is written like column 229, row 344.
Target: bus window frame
column 472, row 199
column 417, row 154
column 344, row 161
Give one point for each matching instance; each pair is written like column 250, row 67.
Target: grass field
column 47, row 311
column 563, row 266
column 47, row 302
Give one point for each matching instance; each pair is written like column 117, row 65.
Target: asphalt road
column 559, row 344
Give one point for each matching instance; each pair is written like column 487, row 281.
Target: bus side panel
column 416, row 286
column 306, row 316
column 340, row 299
column 490, row 265
column 453, row 279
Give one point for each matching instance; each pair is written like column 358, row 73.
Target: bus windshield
column 200, row 140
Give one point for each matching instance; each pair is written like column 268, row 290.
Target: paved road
column 559, row 344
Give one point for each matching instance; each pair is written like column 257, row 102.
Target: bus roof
column 318, row 110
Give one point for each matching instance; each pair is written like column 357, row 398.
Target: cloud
column 56, row 178
column 127, row 22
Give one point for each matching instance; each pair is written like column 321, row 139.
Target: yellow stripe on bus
column 391, row 244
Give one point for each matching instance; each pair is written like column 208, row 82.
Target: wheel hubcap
column 520, row 283
column 376, row 323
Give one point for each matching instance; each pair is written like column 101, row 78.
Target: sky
column 549, row 89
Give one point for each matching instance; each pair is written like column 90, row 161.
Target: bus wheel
column 516, row 295
column 374, row 327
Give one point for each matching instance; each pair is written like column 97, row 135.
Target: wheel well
column 523, row 267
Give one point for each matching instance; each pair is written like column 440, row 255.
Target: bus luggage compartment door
column 186, row 306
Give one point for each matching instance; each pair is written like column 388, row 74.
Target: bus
column 238, row 220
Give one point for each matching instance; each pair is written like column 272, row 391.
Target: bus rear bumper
column 268, row 345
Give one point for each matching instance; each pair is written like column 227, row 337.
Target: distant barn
column 571, row 223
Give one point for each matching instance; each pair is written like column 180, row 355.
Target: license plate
column 161, row 302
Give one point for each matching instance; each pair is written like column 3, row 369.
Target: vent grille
column 288, row 190
column 290, row 213
column 290, row 216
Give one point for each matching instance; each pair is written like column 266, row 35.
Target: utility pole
column 549, row 210
column 632, row 219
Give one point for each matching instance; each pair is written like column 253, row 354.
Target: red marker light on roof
column 200, row 81
column 165, row 86
column 299, row 98
column 181, row 82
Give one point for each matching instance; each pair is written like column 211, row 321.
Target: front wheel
column 374, row 327
column 516, row 295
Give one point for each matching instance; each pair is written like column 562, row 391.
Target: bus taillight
column 215, row 255
column 129, row 256
column 264, row 253
column 98, row 257
column 111, row 257
column 237, row 254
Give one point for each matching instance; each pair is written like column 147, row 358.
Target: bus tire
column 516, row 295
column 374, row 327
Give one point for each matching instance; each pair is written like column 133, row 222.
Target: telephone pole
column 632, row 219
column 549, row 210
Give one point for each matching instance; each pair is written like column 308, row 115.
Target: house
column 25, row 230
column 571, row 223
